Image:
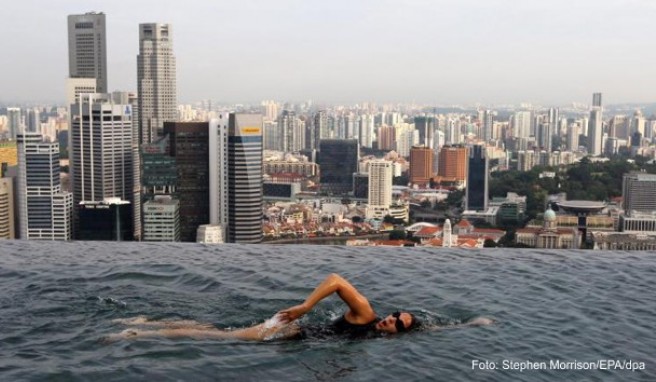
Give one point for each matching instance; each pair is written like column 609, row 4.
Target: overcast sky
column 336, row 51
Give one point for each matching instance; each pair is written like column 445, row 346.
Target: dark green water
column 57, row 302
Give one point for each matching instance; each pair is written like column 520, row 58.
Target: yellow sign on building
column 251, row 130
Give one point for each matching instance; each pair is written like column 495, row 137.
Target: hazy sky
column 337, row 51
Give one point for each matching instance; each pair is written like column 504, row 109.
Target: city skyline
column 419, row 51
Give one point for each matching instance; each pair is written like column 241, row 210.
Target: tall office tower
column 486, row 126
column 45, row 212
column 544, row 136
column 293, row 131
column 102, row 154
column 452, row 132
column 584, row 125
column 189, row 145
column 33, row 121
column 320, row 125
column 406, row 139
column 595, row 135
column 453, row 163
column 14, row 122
column 596, row 100
column 338, row 161
column 380, row 183
column 244, row 178
column 638, row 123
column 7, row 209
column 426, row 128
column 272, row 136
column 366, row 134
column 554, row 120
column 421, row 164
column 156, row 80
column 617, row 127
column 350, row 125
column 379, row 197
column 235, row 144
column 477, row 179
column 573, row 137
column 522, row 124
column 639, row 193
column 386, row 138
column 87, row 48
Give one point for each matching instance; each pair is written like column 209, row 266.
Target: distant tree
column 397, row 235
column 489, row 243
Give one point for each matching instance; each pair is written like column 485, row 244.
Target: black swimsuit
column 341, row 328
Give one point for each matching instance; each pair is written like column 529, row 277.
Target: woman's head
column 397, row 322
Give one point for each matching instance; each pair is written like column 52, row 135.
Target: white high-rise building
column 573, row 137
column 380, row 188
column 595, row 134
column 236, row 176
column 7, row 209
column 161, row 219
column 156, row 80
column 44, row 210
column 87, row 49
column 77, row 86
column 522, row 124
column 366, row 130
column 103, row 152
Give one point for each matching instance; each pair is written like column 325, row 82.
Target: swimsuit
column 340, row 328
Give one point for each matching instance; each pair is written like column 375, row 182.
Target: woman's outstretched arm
column 360, row 311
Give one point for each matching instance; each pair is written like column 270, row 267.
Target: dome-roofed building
column 549, row 236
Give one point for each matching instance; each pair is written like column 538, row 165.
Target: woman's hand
column 293, row 313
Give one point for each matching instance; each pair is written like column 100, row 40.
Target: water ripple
column 58, row 301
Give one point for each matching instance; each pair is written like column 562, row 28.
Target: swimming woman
column 359, row 320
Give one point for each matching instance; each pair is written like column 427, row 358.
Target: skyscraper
column 244, row 178
column 87, row 48
column 595, row 134
column 477, row 179
column 45, row 211
column 236, row 176
column 7, row 209
column 380, row 188
column 380, row 183
column 156, row 80
column 103, row 153
column 596, row 100
column 421, row 164
column 338, row 161
column 189, row 145
column 426, row 127
column 320, row 128
column 522, row 124
column 453, row 163
column 595, row 125
column 366, row 134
